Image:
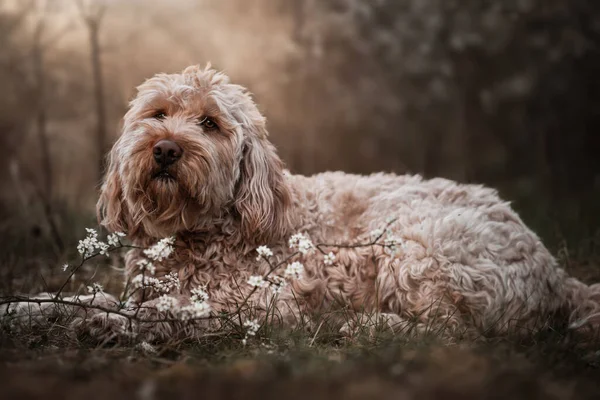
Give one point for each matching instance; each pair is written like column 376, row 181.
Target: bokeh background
column 505, row 93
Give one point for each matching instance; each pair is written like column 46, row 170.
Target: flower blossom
column 252, row 327
column 199, row 295
column 113, row 238
column 329, row 259
column 197, row 309
column 147, row 348
column 263, row 251
column 257, row 281
column 141, row 280
column 90, row 244
column 160, row 250
column 167, row 303
column 392, row 243
column 301, row 242
column 146, row 265
column 168, row 283
column 294, row 270
column 278, row 284
column 376, row 233
column 199, row 306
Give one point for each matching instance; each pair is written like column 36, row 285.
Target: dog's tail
column 582, row 304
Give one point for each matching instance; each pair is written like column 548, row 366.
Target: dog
column 194, row 162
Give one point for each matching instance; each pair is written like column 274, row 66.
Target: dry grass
column 222, row 368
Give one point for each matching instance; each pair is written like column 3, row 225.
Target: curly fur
column 469, row 262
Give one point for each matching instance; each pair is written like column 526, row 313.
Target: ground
column 493, row 370
column 51, row 363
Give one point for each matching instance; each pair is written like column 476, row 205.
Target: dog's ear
column 263, row 196
column 111, row 209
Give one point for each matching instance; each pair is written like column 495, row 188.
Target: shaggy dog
column 194, row 162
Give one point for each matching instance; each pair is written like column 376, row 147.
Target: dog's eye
column 208, row 123
column 159, row 115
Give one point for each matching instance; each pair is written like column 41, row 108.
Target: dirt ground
column 546, row 368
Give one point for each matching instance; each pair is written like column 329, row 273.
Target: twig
column 374, row 242
column 142, row 318
column 84, row 259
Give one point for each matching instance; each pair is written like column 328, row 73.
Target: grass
column 389, row 368
column 52, row 363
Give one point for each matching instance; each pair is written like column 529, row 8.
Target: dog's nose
column 166, row 152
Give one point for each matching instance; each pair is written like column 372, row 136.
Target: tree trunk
column 41, row 125
column 94, row 28
column 41, row 115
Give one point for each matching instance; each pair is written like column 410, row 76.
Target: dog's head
column 193, row 152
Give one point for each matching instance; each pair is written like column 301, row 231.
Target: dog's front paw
column 109, row 326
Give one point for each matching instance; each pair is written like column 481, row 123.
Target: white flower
column 199, row 295
column 278, row 284
column 103, row 248
column 166, row 303
column 146, row 265
column 294, row 270
column 65, row 267
column 170, row 282
column 197, row 309
column 329, row 259
column 141, row 280
column 160, row 250
column 263, row 251
column 376, row 233
column 257, row 281
column 301, row 242
column 90, row 244
column 392, row 241
column 95, row 288
column 391, row 244
column 199, row 306
column 147, row 348
column 113, row 238
column 294, row 239
column 252, row 327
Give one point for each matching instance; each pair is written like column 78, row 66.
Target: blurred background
column 505, row 93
